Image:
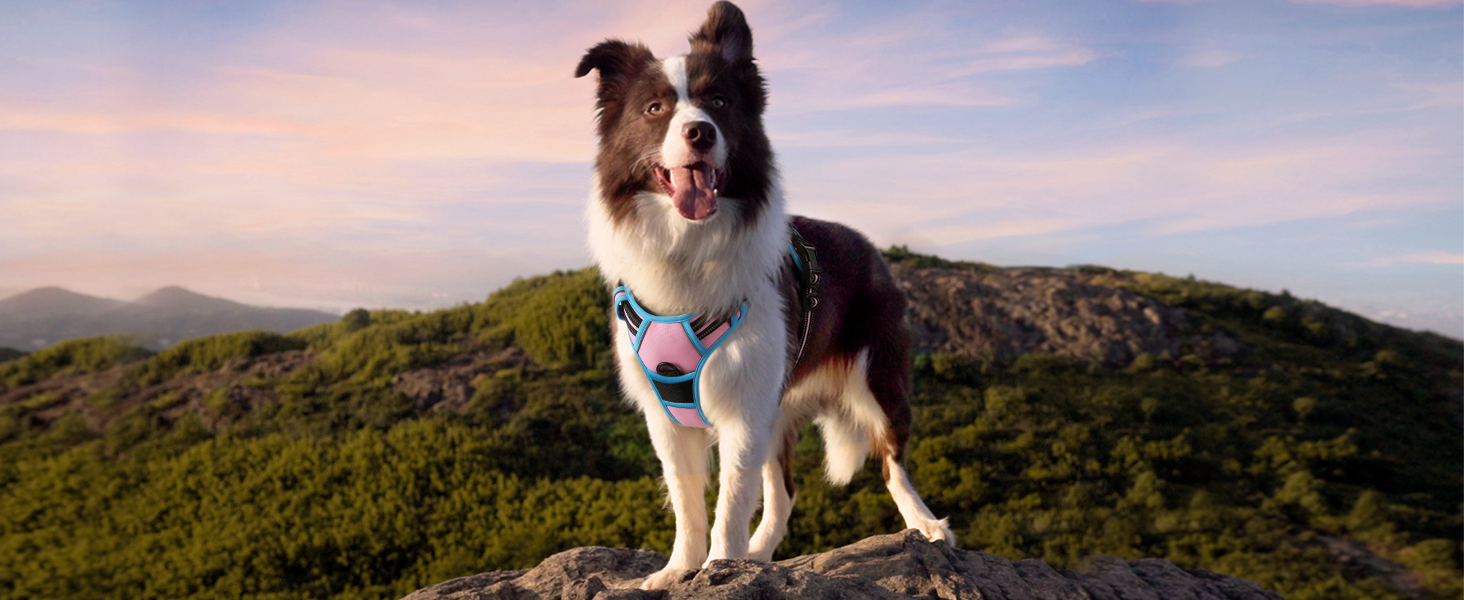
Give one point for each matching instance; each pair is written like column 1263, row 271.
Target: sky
column 419, row 155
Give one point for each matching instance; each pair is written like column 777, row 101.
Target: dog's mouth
column 693, row 188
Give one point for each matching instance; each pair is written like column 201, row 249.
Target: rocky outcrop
column 901, row 565
column 995, row 315
column 451, row 385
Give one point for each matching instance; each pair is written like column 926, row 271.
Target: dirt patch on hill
column 451, row 385
column 103, row 396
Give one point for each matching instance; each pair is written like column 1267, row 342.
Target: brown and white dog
column 688, row 212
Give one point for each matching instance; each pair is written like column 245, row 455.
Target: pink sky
column 418, row 155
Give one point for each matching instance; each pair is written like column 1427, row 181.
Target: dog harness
column 673, row 350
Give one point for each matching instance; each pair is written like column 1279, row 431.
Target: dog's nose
column 700, row 134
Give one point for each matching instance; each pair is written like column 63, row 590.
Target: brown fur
column 860, row 306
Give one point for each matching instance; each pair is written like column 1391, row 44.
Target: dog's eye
column 655, row 108
column 719, row 102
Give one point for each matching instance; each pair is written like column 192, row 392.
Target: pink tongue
column 694, row 196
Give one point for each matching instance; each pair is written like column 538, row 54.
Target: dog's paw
column 936, row 530
column 663, row 579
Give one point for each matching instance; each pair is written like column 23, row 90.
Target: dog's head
column 687, row 129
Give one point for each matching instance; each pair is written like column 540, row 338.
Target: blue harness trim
column 680, row 392
column 675, row 389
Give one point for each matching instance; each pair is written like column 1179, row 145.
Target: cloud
column 23, row 118
column 874, row 67
column 845, row 138
column 1173, row 184
column 1405, row 3
column 1212, row 57
column 329, row 154
column 1434, row 257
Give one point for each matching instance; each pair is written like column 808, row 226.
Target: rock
column 900, row 565
column 995, row 315
column 451, row 385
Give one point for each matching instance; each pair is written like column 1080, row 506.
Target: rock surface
column 995, row 315
column 900, row 565
column 451, row 385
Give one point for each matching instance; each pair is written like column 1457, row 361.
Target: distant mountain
column 54, row 301
column 175, row 297
column 38, row 318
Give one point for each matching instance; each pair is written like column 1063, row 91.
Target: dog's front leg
column 683, row 454
column 743, row 450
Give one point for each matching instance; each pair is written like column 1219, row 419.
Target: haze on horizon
column 333, row 155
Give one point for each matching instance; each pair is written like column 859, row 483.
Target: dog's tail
column 846, row 446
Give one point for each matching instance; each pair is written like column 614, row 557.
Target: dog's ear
column 725, row 33
column 617, row 62
column 615, row 59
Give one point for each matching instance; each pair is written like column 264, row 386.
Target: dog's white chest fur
column 675, row 267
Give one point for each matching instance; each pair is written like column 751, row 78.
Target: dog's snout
column 700, row 135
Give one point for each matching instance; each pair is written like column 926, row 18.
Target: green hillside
column 1327, row 462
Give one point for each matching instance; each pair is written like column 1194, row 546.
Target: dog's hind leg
column 888, row 381
column 777, row 481
column 912, row 508
column 683, row 454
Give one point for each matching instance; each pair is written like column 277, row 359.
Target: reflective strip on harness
column 672, row 352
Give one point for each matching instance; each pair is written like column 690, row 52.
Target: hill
column 44, row 316
column 1058, row 413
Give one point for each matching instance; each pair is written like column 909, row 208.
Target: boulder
column 900, row 565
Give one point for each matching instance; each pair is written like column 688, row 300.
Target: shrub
column 208, row 353
column 562, row 319
column 72, row 356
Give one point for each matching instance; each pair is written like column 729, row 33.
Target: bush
column 378, row 514
column 72, row 356
column 328, row 482
column 208, row 353
column 560, row 320
column 8, row 354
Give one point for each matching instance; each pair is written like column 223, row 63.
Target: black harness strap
column 805, row 259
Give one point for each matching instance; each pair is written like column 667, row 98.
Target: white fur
column 912, row 508
column 851, row 417
column 848, row 422
column 777, row 507
column 676, row 266
column 675, row 152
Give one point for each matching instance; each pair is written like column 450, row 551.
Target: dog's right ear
column 615, row 59
column 617, row 62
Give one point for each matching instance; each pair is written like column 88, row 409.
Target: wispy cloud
column 1407, row 3
column 874, row 67
column 1212, row 57
column 1434, row 257
column 406, row 153
column 1175, row 185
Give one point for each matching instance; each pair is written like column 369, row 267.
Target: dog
column 687, row 218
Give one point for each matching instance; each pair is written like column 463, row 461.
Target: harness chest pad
column 672, row 352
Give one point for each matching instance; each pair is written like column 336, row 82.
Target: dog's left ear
column 725, row 33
